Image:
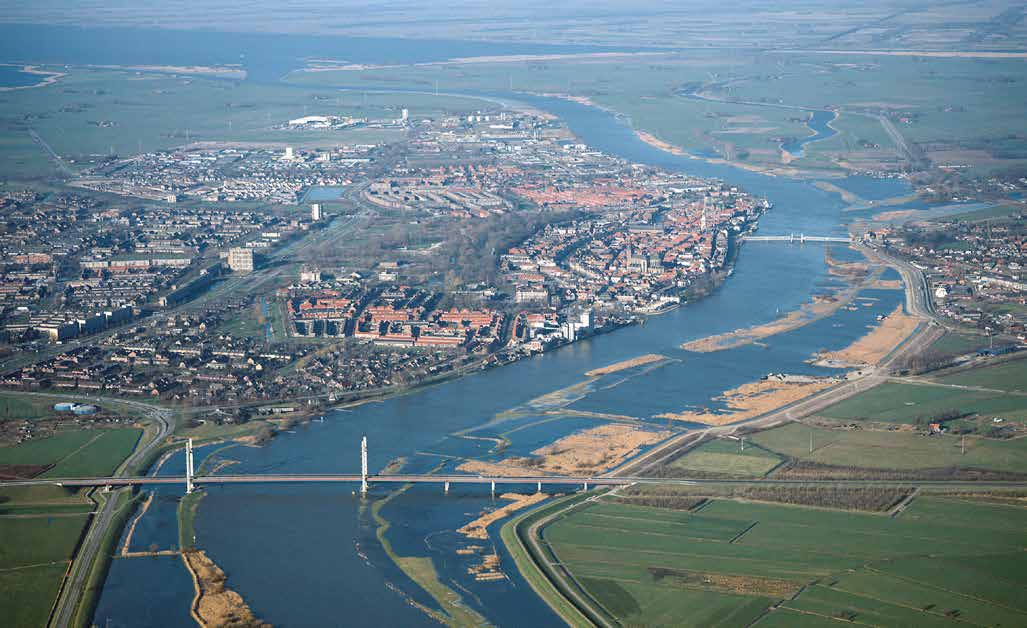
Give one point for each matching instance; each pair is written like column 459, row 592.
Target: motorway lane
column 85, row 557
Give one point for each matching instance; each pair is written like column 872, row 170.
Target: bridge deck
column 475, row 479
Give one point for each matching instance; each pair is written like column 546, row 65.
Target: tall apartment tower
column 240, row 260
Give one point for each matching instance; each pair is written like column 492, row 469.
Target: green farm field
column 958, row 344
column 892, row 450
column 34, row 554
column 40, row 526
column 20, row 407
column 75, row 452
column 723, row 457
column 28, row 593
column 1010, row 376
column 904, row 403
column 941, row 562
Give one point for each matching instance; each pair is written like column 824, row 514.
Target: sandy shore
column 959, row 54
column 874, row 346
column 846, row 195
column 325, row 65
column 478, row 529
column 215, row 604
column 656, row 142
column 215, row 71
column 582, row 453
column 772, row 171
column 135, row 520
column 808, row 313
column 626, row 364
column 859, row 275
column 49, row 78
column 753, row 399
column 741, row 337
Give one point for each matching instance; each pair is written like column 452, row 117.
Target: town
column 212, row 274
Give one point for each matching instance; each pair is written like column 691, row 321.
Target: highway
column 84, row 559
column 52, row 154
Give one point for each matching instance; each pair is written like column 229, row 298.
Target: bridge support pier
column 540, row 486
column 493, row 489
column 446, row 488
column 585, row 485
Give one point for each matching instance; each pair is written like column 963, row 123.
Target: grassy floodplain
column 941, row 562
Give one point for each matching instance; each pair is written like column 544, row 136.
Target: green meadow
column 942, row 562
column 892, row 449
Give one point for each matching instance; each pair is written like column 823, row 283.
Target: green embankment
column 537, row 569
column 187, row 507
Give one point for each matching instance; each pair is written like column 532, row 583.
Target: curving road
column 85, row 558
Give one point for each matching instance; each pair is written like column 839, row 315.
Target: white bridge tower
column 188, row 466
column 363, row 465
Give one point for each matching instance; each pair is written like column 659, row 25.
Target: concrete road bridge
column 364, row 479
column 800, row 238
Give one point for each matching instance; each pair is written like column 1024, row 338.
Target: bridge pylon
column 363, row 465
column 189, row 466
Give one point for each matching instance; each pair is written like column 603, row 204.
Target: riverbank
column 626, row 364
column 754, row 399
column 875, row 345
column 586, row 452
column 205, row 71
column 49, row 78
column 215, row 605
column 858, row 276
column 422, row 571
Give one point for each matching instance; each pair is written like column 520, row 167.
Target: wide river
column 310, row 555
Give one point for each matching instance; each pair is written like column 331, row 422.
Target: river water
column 309, row 555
